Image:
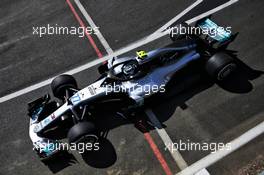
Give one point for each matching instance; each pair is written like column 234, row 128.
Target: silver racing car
column 126, row 82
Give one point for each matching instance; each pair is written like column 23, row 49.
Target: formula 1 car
column 129, row 80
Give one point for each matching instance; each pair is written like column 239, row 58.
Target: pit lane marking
column 88, row 18
column 218, row 8
column 177, row 17
column 92, row 42
column 166, row 139
column 220, row 154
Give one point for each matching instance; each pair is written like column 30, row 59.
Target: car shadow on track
column 102, row 158
column 178, row 95
column 239, row 82
column 60, row 161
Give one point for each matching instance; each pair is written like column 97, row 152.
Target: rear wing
column 213, row 34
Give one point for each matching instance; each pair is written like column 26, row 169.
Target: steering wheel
column 130, row 70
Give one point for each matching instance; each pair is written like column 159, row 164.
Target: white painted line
column 180, row 15
column 181, row 163
column 166, row 139
column 202, row 172
column 211, row 11
column 10, row 42
column 235, row 144
column 92, row 24
column 120, row 51
column 48, row 81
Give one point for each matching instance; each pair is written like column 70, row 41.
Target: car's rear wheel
column 83, row 132
column 220, row 66
column 60, row 85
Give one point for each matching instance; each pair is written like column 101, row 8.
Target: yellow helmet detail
column 142, row 54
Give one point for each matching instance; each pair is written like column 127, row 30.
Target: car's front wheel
column 60, row 85
column 83, row 132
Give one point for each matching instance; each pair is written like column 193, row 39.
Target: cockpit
column 124, row 68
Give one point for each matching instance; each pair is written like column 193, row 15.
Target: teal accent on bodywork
column 50, row 148
column 219, row 33
column 262, row 173
column 75, row 98
column 36, row 113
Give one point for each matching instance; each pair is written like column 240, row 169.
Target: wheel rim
column 88, row 139
column 226, row 71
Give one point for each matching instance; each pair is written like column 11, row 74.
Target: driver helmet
column 141, row 54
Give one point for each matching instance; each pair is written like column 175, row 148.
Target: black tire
column 61, row 83
column 102, row 69
column 82, row 132
column 220, row 66
column 175, row 32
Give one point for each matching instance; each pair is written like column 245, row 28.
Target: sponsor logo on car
column 46, row 121
column 75, row 98
column 53, row 116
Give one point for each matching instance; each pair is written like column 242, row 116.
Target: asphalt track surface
column 202, row 113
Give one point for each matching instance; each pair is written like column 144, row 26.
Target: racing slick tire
column 102, row 69
column 82, row 132
column 61, row 83
column 220, row 66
